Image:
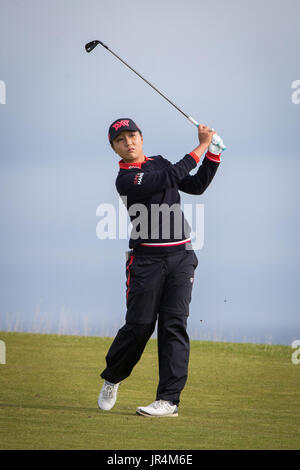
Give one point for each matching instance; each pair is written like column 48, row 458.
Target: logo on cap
column 123, row 122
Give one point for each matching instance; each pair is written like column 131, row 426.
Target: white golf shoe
column 108, row 395
column 158, row 408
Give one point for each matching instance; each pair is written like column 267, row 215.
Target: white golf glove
column 216, row 146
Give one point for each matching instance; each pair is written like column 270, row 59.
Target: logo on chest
column 138, row 178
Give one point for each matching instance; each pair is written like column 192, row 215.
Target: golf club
column 91, row 45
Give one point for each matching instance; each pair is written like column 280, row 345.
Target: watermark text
column 2, row 92
column 296, row 94
column 2, row 352
column 296, row 354
column 155, row 223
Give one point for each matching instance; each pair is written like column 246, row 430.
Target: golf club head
column 91, row 45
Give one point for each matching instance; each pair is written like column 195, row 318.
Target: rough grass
column 238, row 396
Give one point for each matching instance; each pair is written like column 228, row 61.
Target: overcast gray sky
column 230, row 64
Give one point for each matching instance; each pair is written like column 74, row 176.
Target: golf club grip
column 193, row 121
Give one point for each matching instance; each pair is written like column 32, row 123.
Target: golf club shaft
column 91, row 45
column 152, row 86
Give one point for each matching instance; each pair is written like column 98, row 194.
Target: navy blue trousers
column 158, row 289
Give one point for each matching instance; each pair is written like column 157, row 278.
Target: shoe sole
column 148, row 415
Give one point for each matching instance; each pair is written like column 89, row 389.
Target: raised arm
column 139, row 184
column 198, row 183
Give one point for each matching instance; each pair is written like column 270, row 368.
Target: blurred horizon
column 66, row 322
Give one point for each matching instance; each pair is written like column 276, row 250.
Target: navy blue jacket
column 156, row 182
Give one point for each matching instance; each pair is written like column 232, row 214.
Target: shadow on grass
column 67, row 408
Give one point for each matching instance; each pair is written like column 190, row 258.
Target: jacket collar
column 127, row 166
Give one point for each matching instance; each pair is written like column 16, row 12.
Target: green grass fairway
column 238, row 396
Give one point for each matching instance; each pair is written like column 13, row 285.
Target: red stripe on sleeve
column 213, row 157
column 195, row 157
